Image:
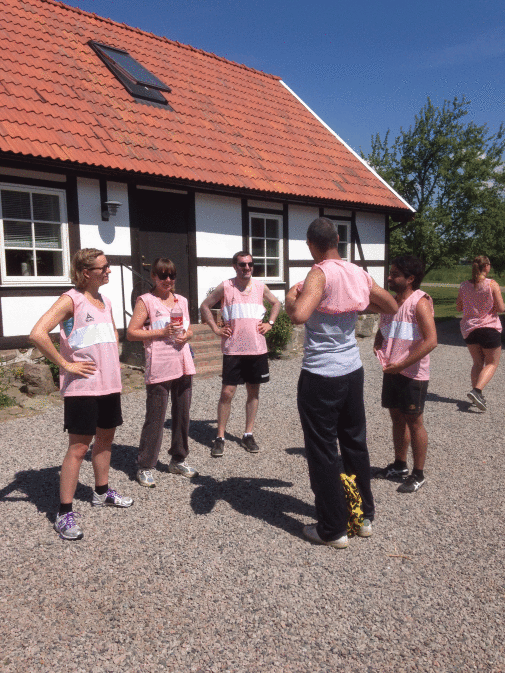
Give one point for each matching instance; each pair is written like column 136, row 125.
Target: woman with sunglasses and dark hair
column 169, row 369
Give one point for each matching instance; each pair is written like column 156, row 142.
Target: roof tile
column 230, row 125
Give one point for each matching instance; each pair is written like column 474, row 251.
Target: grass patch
column 444, row 302
column 458, row 274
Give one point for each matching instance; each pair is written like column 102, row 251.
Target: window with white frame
column 33, row 236
column 343, row 229
column 266, row 245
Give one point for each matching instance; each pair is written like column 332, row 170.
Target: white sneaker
column 111, row 499
column 365, row 530
column 182, row 468
column 67, row 526
column 145, row 478
column 311, row 534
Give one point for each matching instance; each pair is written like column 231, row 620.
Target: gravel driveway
column 213, row 574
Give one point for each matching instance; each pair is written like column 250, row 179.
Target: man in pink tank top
column 402, row 345
column 245, row 352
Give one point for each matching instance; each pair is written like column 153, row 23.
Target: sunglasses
column 243, row 265
column 102, row 269
column 164, row 276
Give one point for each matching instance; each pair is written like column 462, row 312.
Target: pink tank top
column 347, row 287
column 401, row 335
column 478, row 304
column 243, row 311
column 165, row 360
column 90, row 335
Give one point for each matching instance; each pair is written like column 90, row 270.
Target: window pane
column 259, row 270
column 258, row 247
column 19, row 263
column 46, row 207
column 272, row 269
column 16, row 204
column 272, row 248
column 18, row 235
column 47, row 235
column 342, row 250
column 49, row 263
column 342, row 232
column 257, row 226
column 272, row 228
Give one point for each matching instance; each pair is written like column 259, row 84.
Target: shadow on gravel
column 463, row 405
column 252, row 497
column 41, row 487
column 296, row 451
column 204, row 431
column 123, row 459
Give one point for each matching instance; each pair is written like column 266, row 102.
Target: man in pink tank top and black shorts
column 245, row 352
column 402, row 345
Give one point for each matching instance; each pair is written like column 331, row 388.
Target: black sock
column 478, row 390
column 100, row 490
column 399, row 464
column 64, row 508
column 418, row 474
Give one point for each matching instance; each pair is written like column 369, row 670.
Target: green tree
column 449, row 171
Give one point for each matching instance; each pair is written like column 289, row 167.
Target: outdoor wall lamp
column 110, row 208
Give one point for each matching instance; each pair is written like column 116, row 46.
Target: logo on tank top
column 89, row 318
column 158, row 313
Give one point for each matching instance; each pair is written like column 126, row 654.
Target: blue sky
column 362, row 67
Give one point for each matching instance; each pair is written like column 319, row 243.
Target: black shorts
column 239, row 369
column 401, row 392
column 486, row 337
column 83, row 414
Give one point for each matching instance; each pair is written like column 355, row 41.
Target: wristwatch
column 271, row 322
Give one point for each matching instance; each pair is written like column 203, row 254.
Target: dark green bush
column 5, row 400
column 280, row 334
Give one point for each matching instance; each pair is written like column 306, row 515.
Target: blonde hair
column 478, row 265
column 83, row 259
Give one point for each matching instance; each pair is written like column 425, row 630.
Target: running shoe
column 111, row 499
column 411, row 484
column 392, row 472
column 182, row 468
column 478, row 399
column 217, row 449
column 145, row 478
column 67, row 527
column 248, row 443
column 365, row 530
column 311, row 534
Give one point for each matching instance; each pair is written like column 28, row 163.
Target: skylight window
column 136, row 79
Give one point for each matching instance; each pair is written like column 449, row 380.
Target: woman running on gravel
column 169, row 369
column 90, row 382
column 480, row 300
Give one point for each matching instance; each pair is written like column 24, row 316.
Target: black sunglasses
column 164, row 276
column 243, row 265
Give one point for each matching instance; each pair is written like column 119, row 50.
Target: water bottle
column 176, row 319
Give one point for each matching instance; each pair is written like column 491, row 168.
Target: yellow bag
column 354, row 503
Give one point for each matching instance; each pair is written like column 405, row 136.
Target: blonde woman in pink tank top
column 480, row 301
column 169, row 370
column 90, row 381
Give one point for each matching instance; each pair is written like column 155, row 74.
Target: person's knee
column 227, row 394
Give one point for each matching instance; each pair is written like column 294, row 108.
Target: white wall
column 210, row 277
column 113, row 237
column 218, row 225
column 297, row 274
column 371, row 231
column 113, row 291
column 299, row 218
column 377, row 273
column 19, row 314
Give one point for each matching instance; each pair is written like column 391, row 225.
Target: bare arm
column 214, row 297
column 377, row 344
column 136, row 331
column 381, row 301
column 61, row 310
column 264, row 327
column 499, row 306
column 427, row 327
column 301, row 305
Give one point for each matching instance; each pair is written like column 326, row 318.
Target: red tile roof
column 230, row 125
